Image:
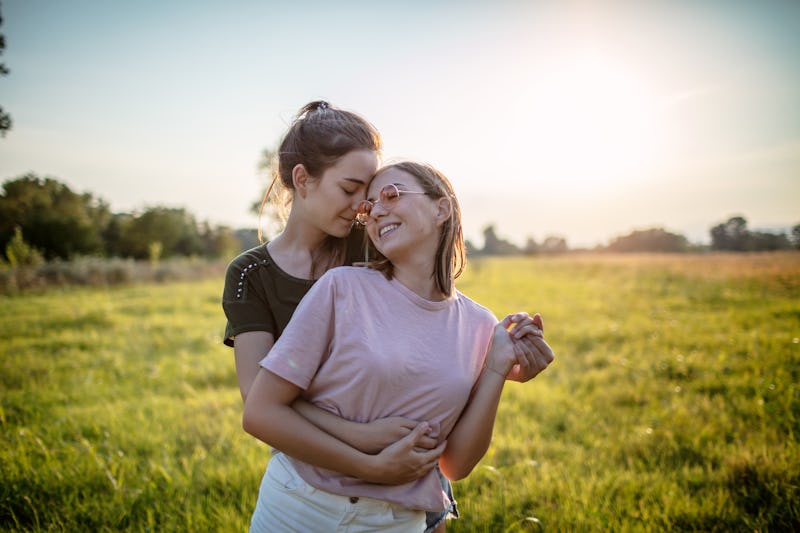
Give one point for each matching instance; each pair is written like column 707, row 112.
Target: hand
column 507, row 348
column 502, row 352
column 536, row 353
column 403, row 461
column 373, row 437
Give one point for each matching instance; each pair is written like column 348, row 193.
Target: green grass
column 673, row 403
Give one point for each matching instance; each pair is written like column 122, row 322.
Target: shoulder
column 246, row 262
column 474, row 308
column 346, row 281
column 241, row 267
column 346, row 275
column 249, row 259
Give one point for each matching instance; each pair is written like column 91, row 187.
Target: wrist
column 371, row 469
column 489, row 368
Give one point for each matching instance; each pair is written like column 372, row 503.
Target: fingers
column 426, row 460
column 417, row 434
column 418, row 438
column 522, row 324
column 523, row 353
column 539, row 351
column 529, row 328
column 537, row 320
column 507, row 321
column 426, row 443
column 539, row 356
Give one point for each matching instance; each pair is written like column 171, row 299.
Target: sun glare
column 594, row 122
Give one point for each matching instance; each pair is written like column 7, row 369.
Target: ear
column 444, row 208
column 300, row 179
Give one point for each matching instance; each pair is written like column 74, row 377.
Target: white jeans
column 287, row 504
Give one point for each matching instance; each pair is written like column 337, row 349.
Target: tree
column 765, row 241
column 19, row 253
column 796, row 236
column 554, row 245
column 220, row 242
column 494, row 245
column 731, row 235
column 5, row 118
column 531, row 247
column 113, row 234
column 174, row 228
column 53, row 218
column 649, row 240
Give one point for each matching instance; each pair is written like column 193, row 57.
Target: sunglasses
column 388, row 198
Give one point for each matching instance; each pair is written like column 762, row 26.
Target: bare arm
column 268, row 416
column 369, row 437
column 472, row 434
column 250, row 347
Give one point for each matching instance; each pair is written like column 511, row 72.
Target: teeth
column 387, row 228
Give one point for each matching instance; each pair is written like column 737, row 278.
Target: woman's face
column 409, row 227
column 334, row 197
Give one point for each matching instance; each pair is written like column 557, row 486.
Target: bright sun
column 594, row 122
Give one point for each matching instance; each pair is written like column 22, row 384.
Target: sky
column 580, row 119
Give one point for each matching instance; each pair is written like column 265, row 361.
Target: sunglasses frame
column 365, row 207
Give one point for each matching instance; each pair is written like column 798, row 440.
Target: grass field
column 673, row 403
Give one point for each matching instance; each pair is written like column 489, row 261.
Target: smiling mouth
column 386, row 229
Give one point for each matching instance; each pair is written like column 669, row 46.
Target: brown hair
column 316, row 139
column 451, row 255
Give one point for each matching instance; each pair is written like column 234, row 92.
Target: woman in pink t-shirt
column 396, row 339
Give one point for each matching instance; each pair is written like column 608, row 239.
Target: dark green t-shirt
column 259, row 296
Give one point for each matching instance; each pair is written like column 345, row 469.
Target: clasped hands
column 523, row 336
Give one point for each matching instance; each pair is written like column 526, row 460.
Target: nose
column 378, row 210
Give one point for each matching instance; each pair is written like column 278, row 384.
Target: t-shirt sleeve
column 244, row 301
column 305, row 343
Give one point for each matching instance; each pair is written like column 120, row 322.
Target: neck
column 299, row 235
column 293, row 249
column 419, row 278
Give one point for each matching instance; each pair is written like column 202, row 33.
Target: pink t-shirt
column 366, row 348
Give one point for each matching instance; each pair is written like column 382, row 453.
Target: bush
column 99, row 272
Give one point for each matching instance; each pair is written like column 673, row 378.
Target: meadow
column 673, row 404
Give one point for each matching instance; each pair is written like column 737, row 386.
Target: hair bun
column 316, row 105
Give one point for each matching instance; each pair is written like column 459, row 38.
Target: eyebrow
column 356, row 180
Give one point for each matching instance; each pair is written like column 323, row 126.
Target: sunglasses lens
column 364, row 207
column 362, row 211
column 389, row 196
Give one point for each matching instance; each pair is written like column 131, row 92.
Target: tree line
column 731, row 236
column 43, row 218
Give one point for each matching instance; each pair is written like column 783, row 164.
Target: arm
column 472, row 434
column 250, row 347
column 368, row 437
column 268, row 416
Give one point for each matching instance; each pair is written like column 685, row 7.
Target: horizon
column 585, row 120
